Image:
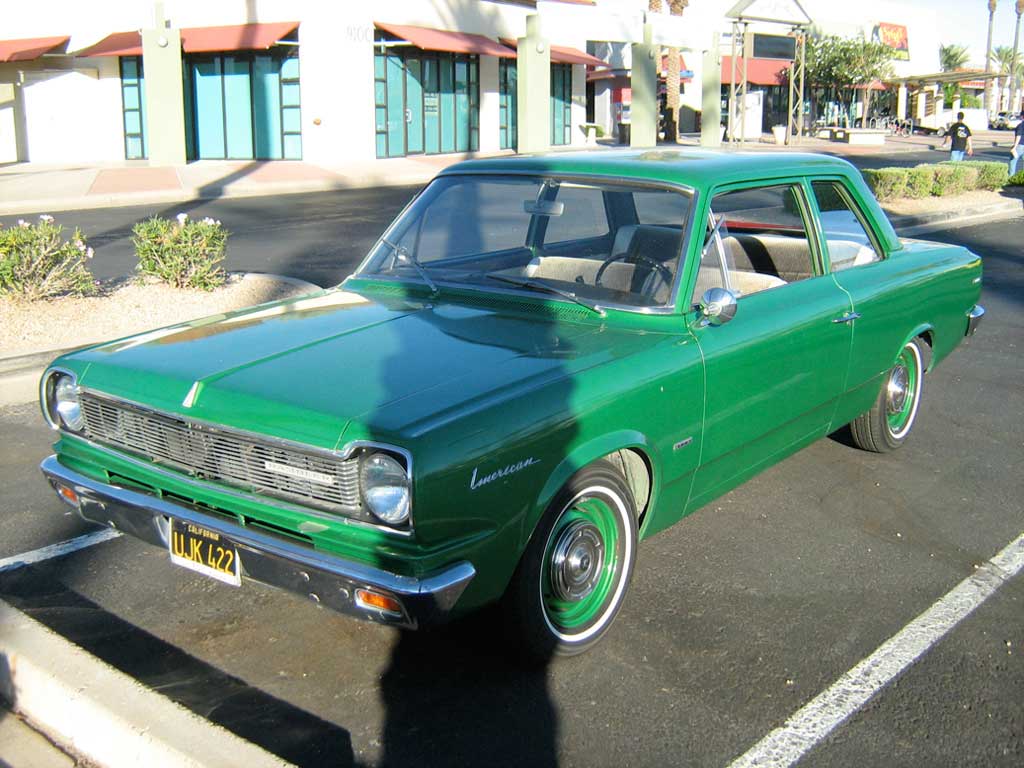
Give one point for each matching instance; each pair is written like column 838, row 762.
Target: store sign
column 894, row 36
column 782, row 47
column 430, row 103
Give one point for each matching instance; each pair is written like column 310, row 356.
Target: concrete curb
column 923, row 222
column 103, row 714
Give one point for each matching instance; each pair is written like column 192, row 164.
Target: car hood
column 305, row 369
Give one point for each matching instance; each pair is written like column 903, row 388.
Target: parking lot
column 737, row 617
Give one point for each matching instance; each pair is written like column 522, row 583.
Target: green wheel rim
column 583, row 563
column 902, row 391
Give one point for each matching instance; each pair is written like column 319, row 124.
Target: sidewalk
column 27, row 188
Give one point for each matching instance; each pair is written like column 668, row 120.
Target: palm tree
column 1002, row 58
column 953, row 57
column 1014, row 98
column 988, row 54
column 675, row 8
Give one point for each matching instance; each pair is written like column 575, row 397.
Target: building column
column 711, row 98
column 533, row 113
column 490, row 105
column 165, row 93
column 578, row 109
column 643, row 113
column 901, row 102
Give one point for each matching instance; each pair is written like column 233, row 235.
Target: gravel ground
column 975, row 199
column 127, row 307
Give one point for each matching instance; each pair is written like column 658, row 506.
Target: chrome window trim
column 669, row 308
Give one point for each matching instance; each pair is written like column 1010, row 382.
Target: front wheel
column 573, row 576
column 887, row 425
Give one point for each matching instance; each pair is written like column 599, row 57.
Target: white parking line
column 829, row 709
column 56, row 550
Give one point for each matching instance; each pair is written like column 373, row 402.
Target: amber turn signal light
column 367, row 599
column 68, row 494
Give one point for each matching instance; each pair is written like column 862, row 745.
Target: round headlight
column 66, row 403
column 385, row 487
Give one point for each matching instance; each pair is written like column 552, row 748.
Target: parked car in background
column 543, row 361
column 1004, row 121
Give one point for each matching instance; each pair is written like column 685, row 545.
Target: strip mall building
column 327, row 82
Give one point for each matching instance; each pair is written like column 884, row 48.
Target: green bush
column 920, row 181
column 887, row 183
column 37, row 263
column 1017, row 180
column 182, row 253
column 990, row 175
column 952, row 179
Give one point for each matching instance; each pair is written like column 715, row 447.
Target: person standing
column 1017, row 150
column 961, row 139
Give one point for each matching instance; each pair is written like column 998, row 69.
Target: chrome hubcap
column 898, row 389
column 576, row 561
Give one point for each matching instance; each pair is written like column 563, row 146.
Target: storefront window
column 509, row 101
column 243, row 106
column 561, row 104
column 425, row 102
column 133, row 102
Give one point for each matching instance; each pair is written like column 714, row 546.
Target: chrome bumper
column 974, row 319
column 322, row 578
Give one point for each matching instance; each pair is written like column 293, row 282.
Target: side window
column 760, row 241
column 846, row 239
column 583, row 217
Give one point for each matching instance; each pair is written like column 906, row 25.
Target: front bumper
column 974, row 319
column 325, row 579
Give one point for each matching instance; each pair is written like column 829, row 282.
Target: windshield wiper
column 548, row 289
column 403, row 255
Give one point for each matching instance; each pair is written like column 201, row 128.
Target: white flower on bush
column 89, row 252
column 23, row 224
column 45, row 217
column 80, row 245
column 182, row 218
column 211, row 222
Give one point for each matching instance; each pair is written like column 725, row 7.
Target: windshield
column 596, row 243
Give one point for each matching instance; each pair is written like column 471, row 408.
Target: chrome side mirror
column 717, row 306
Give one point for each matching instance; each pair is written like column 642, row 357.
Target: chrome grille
column 225, row 456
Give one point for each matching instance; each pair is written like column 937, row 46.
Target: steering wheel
column 657, row 269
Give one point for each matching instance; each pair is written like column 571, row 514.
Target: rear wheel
column 889, row 422
column 573, row 577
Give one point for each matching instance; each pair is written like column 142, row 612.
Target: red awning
column 759, row 71
column 117, row 44
column 234, row 37
column 29, row 49
column 442, row 40
column 563, row 54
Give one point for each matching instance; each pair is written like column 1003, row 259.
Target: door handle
column 846, row 317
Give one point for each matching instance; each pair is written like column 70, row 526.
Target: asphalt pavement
column 737, row 617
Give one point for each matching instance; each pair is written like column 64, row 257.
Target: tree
column 1002, row 59
column 952, row 57
column 988, row 55
column 842, row 65
column 675, row 8
column 1014, row 80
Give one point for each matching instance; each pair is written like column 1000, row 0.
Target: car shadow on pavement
column 458, row 695
column 291, row 733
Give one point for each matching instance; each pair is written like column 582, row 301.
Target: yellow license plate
column 204, row 551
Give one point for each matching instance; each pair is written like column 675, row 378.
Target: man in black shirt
column 1017, row 150
column 961, row 136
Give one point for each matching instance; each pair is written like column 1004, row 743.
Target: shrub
column 953, row 179
column 887, row 183
column 990, row 175
column 920, row 181
column 37, row 263
column 182, row 253
column 1017, row 180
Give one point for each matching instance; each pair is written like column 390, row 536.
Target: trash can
column 623, row 133
column 779, row 132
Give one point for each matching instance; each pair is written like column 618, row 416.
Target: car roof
column 692, row 167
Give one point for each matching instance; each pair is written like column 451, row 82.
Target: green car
column 542, row 361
